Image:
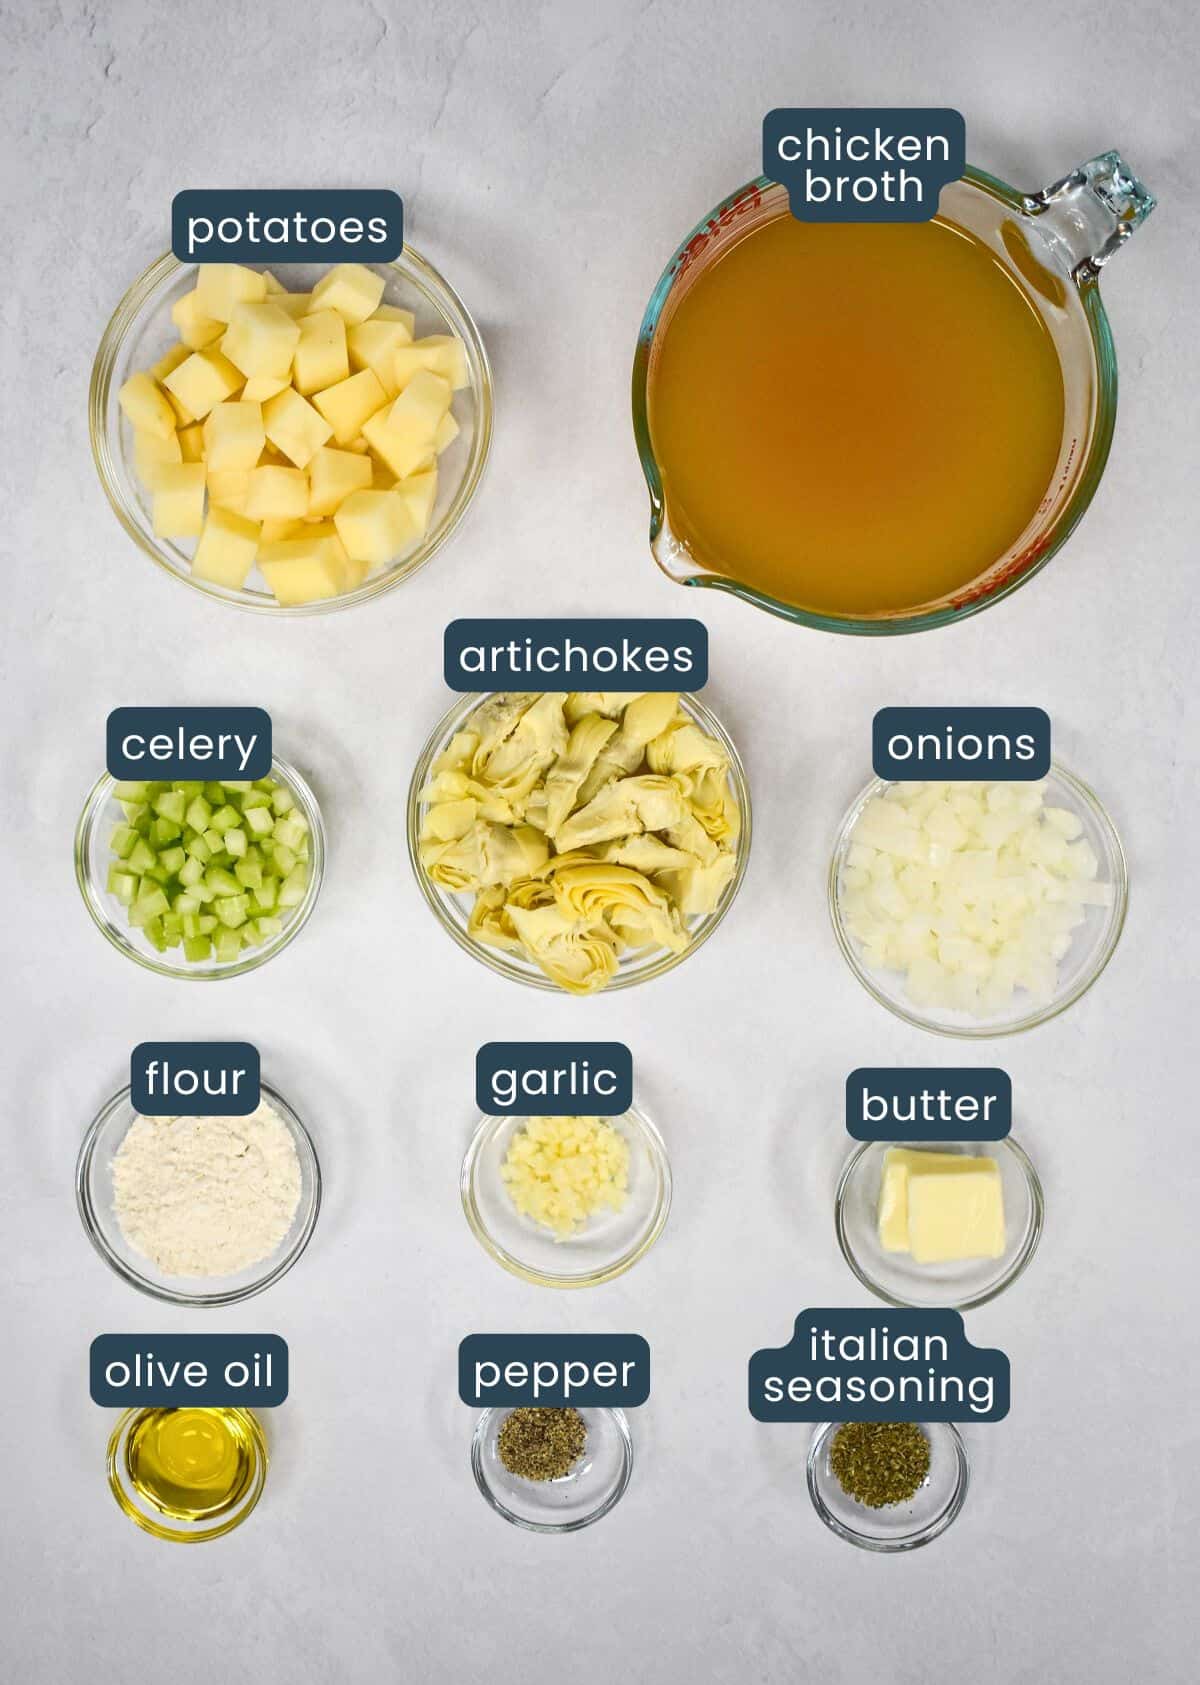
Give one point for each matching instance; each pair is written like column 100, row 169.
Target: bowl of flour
column 199, row 1210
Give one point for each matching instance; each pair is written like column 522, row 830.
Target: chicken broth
column 854, row 419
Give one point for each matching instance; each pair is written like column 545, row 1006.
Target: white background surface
column 550, row 157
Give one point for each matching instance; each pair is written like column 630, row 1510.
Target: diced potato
column 440, row 354
column 359, row 446
column 277, row 494
column 179, row 500
column 303, row 570
column 447, row 431
column 261, row 339
column 226, row 551
column 234, row 435
column 274, row 531
column 296, row 304
column 196, row 330
column 145, row 406
column 272, row 283
column 404, row 437
column 260, row 387
column 373, row 345
column 219, row 286
column 228, row 488
column 205, row 379
column 191, row 442
column 152, row 452
column 333, row 476
column 295, row 427
column 351, row 289
column 374, row 526
column 419, row 494
column 320, row 358
column 348, row 404
column 169, row 360
column 183, row 415
column 355, row 573
column 392, row 313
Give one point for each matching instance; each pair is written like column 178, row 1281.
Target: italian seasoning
column 879, row 1463
column 541, row 1444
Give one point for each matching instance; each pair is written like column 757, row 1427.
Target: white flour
column 206, row 1196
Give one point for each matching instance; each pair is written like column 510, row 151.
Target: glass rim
column 163, row 1529
column 1097, row 448
column 428, row 280
column 94, row 899
column 904, row 1542
column 85, row 1205
column 984, row 1031
column 1021, row 1262
column 487, row 1127
column 624, row 1438
column 496, row 959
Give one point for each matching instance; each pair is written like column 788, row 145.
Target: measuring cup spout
column 1088, row 215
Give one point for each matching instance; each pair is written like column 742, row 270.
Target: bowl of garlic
column 579, row 840
column 978, row 909
column 291, row 448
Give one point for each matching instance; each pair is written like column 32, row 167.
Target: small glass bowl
column 141, row 331
column 180, row 1529
column 611, row 1242
column 894, row 1276
column 636, row 966
column 590, row 1490
column 1092, row 943
column 94, row 1197
column 897, row 1526
column 93, row 858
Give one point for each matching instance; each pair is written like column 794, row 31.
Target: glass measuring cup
column 1054, row 242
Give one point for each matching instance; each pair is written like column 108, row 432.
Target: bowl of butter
column 938, row 1225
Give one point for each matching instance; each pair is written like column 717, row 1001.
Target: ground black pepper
column 541, row 1444
column 879, row 1463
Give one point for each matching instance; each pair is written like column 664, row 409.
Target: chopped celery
column 214, row 866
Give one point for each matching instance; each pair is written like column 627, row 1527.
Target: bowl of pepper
column 887, row 1486
column 552, row 1470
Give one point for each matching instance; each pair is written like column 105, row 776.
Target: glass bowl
column 94, row 1197
column 141, row 331
column 611, row 1242
column 102, row 811
column 894, row 1276
column 897, row 1526
column 590, row 1490
column 183, row 1529
column 1092, row 943
column 638, row 966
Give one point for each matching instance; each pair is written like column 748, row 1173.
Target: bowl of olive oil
column 187, row 1474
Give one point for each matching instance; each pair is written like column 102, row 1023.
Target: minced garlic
column 562, row 1170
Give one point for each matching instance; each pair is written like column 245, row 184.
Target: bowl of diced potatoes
column 291, row 443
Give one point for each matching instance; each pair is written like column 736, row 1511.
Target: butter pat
column 953, row 1216
column 898, row 1165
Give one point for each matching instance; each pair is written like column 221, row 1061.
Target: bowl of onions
column 978, row 909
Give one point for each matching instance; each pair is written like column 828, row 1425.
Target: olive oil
column 854, row 419
column 187, row 1473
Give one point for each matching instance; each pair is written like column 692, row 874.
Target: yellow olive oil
column 194, row 1468
column 854, row 418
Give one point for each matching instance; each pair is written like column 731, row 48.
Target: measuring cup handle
column 1092, row 212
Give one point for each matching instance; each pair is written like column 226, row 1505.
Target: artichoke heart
column 610, row 703
column 577, row 959
column 646, row 853
column 586, row 741
column 537, row 739
column 646, row 803
column 697, row 890
column 602, row 892
column 643, row 720
column 685, row 748
column 493, row 721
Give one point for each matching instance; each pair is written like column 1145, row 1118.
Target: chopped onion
column 971, row 890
